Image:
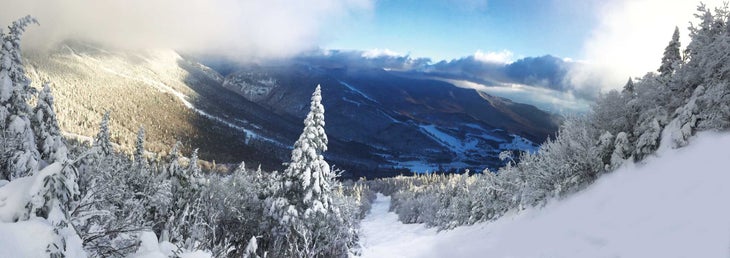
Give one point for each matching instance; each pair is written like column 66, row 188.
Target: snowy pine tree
column 45, row 126
column 102, row 141
column 193, row 166
column 621, row 150
column 139, row 159
column 174, row 169
column 672, row 57
column 18, row 150
column 305, row 194
column 306, row 179
column 629, row 88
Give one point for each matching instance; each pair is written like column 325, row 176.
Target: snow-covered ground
column 384, row 236
column 673, row 205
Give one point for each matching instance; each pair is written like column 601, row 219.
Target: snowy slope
column 674, row 205
column 21, row 237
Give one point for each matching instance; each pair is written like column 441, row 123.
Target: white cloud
column 241, row 29
column 504, row 56
column 550, row 100
column 375, row 53
column 630, row 39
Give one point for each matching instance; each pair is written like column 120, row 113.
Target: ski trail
column 673, row 204
column 382, row 235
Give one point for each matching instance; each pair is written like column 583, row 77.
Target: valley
column 381, row 123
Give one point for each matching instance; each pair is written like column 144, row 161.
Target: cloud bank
column 251, row 29
column 370, row 59
column 630, row 39
column 504, row 56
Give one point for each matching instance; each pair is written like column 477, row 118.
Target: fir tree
column 672, row 56
column 18, row 151
column 174, row 170
column 45, row 126
column 193, row 165
column 305, row 193
column 139, row 159
column 102, row 140
column 621, row 151
column 629, row 87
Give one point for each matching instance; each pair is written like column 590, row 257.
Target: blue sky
column 614, row 38
column 450, row 29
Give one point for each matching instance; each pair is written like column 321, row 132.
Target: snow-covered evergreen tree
column 193, row 166
column 139, row 158
column 672, row 57
column 304, row 198
column 102, row 141
column 605, row 147
column 685, row 121
column 18, row 150
column 45, row 126
column 621, row 151
column 174, row 169
column 629, row 87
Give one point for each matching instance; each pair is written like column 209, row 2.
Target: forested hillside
column 689, row 92
column 93, row 200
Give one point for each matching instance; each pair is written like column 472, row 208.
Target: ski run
column 673, row 205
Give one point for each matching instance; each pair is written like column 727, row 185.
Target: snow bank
column 13, row 198
column 30, row 238
column 26, row 238
column 674, row 205
column 151, row 248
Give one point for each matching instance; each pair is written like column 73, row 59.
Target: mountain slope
column 159, row 90
column 382, row 119
column 379, row 122
column 654, row 209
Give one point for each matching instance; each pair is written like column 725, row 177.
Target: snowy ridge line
column 165, row 88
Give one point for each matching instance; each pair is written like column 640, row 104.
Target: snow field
column 673, row 205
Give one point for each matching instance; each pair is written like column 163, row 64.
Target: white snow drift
column 673, row 205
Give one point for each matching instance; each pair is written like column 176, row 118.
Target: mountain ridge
column 431, row 125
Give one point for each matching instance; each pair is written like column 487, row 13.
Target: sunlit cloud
column 554, row 101
column 502, row 57
column 630, row 39
column 239, row 29
column 375, row 53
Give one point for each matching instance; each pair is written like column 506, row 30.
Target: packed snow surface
column 673, row 205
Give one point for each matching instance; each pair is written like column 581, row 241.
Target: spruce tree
column 102, row 140
column 174, row 170
column 622, row 150
column 139, row 148
column 672, row 56
column 194, row 172
column 18, row 151
column 629, row 88
column 306, row 177
column 45, row 126
column 305, row 192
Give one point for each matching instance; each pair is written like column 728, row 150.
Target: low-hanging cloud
column 251, row 29
column 630, row 39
